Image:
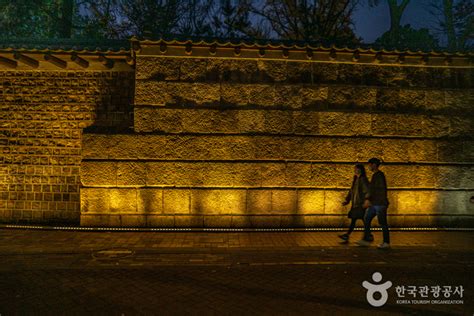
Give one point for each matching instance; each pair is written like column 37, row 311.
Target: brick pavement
column 115, row 273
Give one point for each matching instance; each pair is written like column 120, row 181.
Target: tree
column 151, row 18
column 409, row 38
column 456, row 22
column 396, row 12
column 234, row 19
column 303, row 20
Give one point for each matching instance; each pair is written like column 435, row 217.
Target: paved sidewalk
column 115, row 273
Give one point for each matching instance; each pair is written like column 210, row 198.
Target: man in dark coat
column 377, row 203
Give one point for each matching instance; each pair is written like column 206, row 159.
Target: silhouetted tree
column 409, row 38
column 41, row 18
column 234, row 19
column 396, row 11
column 456, row 22
column 151, row 18
column 310, row 20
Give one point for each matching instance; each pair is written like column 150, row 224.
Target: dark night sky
column 371, row 22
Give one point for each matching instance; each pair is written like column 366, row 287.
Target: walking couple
column 368, row 199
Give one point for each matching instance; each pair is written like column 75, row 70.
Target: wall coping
column 281, row 51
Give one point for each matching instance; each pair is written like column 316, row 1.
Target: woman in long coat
column 356, row 196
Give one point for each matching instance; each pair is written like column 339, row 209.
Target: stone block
column 437, row 126
column 160, row 221
column 341, row 123
column 193, row 69
column 149, row 200
column 352, row 97
column 221, row 221
column 435, row 100
column 313, row 221
column 397, row 77
column 306, row 122
column 331, row 175
column 95, row 200
column 376, row 75
column 189, row 221
column 157, row 68
column 292, row 221
column 455, row 177
column 123, row 200
column 350, row 74
column 241, row 221
column 299, row 72
column 159, row 119
column 325, row 72
column 461, row 126
column 259, row 202
column 387, row 99
column 198, row 94
column 234, row 94
column 224, row 202
column 314, row 96
column 412, row 99
column 457, row 202
column 265, row 221
column 93, row 220
column 98, row 173
column 271, row 71
column 397, row 150
column 332, row 202
column 131, row 173
column 299, row 174
column 250, row 121
column 459, row 100
column 261, row 95
column 430, row 202
column 451, row 151
column 284, row 201
column 468, row 150
column 287, row 96
column 134, row 220
column 233, row 70
column 417, row 76
column 310, row 202
column 335, row 221
column 158, row 93
column 276, row 121
column 176, row 201
column 272, row 174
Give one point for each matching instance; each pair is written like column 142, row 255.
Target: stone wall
column 221, row 140
column 43, row 111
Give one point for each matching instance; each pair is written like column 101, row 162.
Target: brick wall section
column 42, row 115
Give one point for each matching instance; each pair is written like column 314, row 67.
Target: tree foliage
column 310, row 20
column 327, row 21
column 408, row 38
column 455, row 20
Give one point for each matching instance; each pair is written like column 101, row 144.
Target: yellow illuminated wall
column 249, row 136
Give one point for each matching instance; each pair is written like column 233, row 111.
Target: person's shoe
column 384, row 246
column 344, row 237
column 363, row 243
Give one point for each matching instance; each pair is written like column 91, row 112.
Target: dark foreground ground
column 248, row 273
